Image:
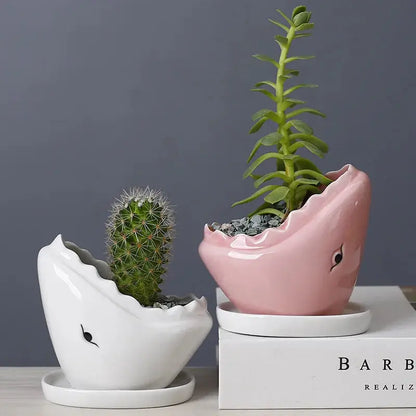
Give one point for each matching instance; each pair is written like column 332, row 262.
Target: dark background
column 97, row 96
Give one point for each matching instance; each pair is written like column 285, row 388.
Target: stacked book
column 373, row 369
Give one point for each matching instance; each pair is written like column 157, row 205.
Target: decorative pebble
column 225, row 227
column 252, row 231
column 274, row 223
column 249, row 226
column 215, row 225
column 256, row 219
column 169, row 301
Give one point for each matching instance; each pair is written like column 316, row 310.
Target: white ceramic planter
column 104, row 339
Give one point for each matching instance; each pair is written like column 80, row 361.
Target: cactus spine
column 139, row 235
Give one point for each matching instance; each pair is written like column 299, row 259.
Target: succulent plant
column 299, row 175
column 139, row 236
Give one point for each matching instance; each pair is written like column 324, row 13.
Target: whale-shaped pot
column 308, row 265
column 104, row 339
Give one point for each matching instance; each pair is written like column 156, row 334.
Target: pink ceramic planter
column 308, row 265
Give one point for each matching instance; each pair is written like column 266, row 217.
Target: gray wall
column 96, row 96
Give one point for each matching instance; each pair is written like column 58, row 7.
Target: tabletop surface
column 21, row 395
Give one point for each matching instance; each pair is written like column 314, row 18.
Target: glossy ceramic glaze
column 354, row 320
column 104, row 339
column 57, row 390
column 307, row 266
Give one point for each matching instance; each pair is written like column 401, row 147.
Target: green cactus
column 139, row 235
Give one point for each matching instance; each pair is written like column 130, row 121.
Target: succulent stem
column 300, row 176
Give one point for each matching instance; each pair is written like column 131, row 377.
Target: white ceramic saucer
column 57, row 390
column 354, row 320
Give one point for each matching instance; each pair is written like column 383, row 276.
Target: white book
column 374, row 369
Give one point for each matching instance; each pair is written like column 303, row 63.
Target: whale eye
column 87, row 336
column 337, row 257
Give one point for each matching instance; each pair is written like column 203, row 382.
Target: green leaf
column 284, row 77
column 262, row 206
column 320, row 144
column 321, row 178
column 297, row 10
column 268, row 140
column 303, row 181
column 302, row 17
column 311, row 147
column 284, row 17
column 272, row 211
column 266, row 93
column 271, row 115
column 255, row 177
column 289, row 157
column 271, row 139
column 277, row 195
column 291, row 72
column 302, row 191
column 281, row 40
column 305, row 110
column 269, row 83
column 289, row 103
column 303, row 164
column 265, row 58
column 260, row 160
column 280, row 164
column 293, row 101
column 302, row 35
column 296, row 87
column 259, row 114
column 311, row 188
column 305, row 26
column 271, row 175
column 298, row 58
column 253, row 152
column 281, row 25
column 300, row 126
column 257, row 126
column 255, row 195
